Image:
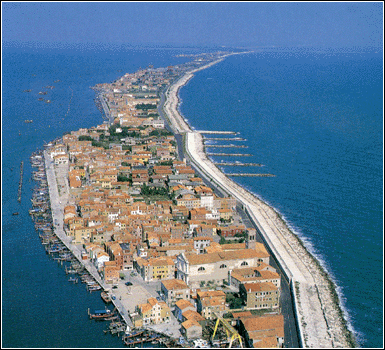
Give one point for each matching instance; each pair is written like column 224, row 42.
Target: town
column 169, row 251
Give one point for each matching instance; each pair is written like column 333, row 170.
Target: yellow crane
column 229, row 330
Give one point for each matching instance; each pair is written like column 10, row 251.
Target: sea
column 313, row 119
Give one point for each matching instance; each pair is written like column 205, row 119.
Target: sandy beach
column 320, row 318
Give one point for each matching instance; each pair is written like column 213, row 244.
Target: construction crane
column 229, row 330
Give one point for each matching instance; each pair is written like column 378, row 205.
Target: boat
column 29, row 90
column 42, row 93
column 106, row 298
column 28, row 121
column 56, row 81
column 48, row 101
column 40, row 99
column 16, row 213
column 101, row 314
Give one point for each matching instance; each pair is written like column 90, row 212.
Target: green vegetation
column 148, row 191
column 85, row 138
column 122, row 178
column 234, row 300
column 145, row 106
column 160, row 133
column 165, row 162
column 105, row 145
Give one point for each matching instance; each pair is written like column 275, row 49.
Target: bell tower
column 251, row 238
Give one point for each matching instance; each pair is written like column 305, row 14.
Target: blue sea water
column 315, row 120
column 40, row 308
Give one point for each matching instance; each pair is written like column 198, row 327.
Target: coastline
column 321, row 320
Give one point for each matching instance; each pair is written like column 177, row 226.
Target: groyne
column 319, row 316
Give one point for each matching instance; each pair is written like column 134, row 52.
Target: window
column 201, row 269
column 223, row 266
column 244, row 263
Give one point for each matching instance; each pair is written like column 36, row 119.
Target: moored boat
column 106, row 298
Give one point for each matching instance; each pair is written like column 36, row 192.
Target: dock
column 251, row 175
column 230, row 154
column 238, row 164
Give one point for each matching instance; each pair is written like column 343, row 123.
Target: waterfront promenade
column 319, row 316
column 57, row 179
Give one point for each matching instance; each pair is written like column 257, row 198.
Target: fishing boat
column 101, row 314
column 28, row 121
column 16, row 213
column 106, row 298
column 48, row 101
column 42, row 93
column 40, row 99
column 29, row 90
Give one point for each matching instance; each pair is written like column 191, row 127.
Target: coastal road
column 286, row 304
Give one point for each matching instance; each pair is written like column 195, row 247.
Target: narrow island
column 134, row 208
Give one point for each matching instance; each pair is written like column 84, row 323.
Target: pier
column 251, row 175
column 20, row 182
column 238, row 164
column 230, row 154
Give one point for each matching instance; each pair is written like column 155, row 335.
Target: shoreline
column 320, row 315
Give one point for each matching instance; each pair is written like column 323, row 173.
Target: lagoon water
column 314, row 121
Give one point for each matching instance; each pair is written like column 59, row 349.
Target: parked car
column 128, row 284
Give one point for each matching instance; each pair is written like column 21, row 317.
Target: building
column 175, row 290
column 181, row 306
column 191, row 329
column 193, row 268
column 154, row 312
column 262, row 331
column 155, row 268
column 261, row 273
column 263, row 295
column 211, row 303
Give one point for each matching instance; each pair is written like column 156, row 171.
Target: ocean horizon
column 312, row 119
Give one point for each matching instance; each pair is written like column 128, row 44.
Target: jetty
column 217, row 132
column 238, row 164
column 20, row 182
column 251, row 175
column 225, row 146
column 230, row 154
column 224, row 138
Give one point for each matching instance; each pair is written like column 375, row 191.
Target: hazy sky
column 345, row 24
